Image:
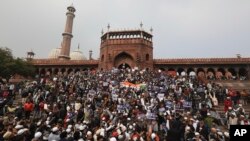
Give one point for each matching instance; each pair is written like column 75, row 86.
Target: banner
column 169, row 104
column 151, row 116
column 187, row 104
column 160, row 96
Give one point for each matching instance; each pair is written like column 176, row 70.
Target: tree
column 10, row 66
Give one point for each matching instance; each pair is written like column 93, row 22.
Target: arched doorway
column 191, row 72
column 42, row 72
column 231, row 73
column 210, row 73
column 201, row 73
column 56, row 71
column 124, row 66
column 243, row 73
column 181, row 71
column 124, row 60
column 220, row 74
column 49, row 72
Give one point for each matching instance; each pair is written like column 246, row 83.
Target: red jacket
column 227, row 103
column 28, row 106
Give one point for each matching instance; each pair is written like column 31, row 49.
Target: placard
column 187, row 104
column 160, row 96
column 151, row 116
column 169, row 104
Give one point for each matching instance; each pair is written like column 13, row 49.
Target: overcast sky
column 181, row 28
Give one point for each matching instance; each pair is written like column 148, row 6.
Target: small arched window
column 147, row 57
column 102, row 59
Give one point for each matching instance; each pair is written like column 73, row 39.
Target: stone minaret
column 90, row 54
column 67, row 35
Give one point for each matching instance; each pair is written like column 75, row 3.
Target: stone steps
column 220, row 109
column 18, row 100
column 235, row 84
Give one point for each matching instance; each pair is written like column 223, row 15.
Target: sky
column 181, row 28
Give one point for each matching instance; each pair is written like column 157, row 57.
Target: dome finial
column 102, row 32
column 151, row 30
column 78, row 46
column 141, row 25
column 108, row 26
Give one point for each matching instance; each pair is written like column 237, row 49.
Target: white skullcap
column 77, row 126
column 80, row 139
column 153, row 135
column 128, row 118
column 19, row 126
column 70, row 126
column 226, row 134
column 81, row 127
column 112, row 139
column 124, row 128
column 54, row 129
column 67, row 120
column 208, row 114
column 68, row 108
column 68, row 130
column 220, row 133
column 130, row 127
column 102, row 133
column 120, row 137
column 118, row 131
column 196, row 133
column 45, row 137
column 21, row 131
column 240, row 105
column 39, row 123
column 89, row 133
column 38, row 135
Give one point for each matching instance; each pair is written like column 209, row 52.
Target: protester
column 119, row 105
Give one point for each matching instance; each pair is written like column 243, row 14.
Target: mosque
column 133, row 49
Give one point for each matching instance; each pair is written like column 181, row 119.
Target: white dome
column 77, row 55
column 54, row 53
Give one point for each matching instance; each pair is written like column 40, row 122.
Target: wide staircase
column 220, row 109
column 18, row 100
column 237, row 85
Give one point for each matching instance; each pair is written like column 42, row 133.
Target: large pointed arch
column 124, row 58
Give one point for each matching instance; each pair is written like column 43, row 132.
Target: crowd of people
column 119, row 105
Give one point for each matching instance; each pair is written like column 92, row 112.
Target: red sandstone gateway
column 133, row 49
